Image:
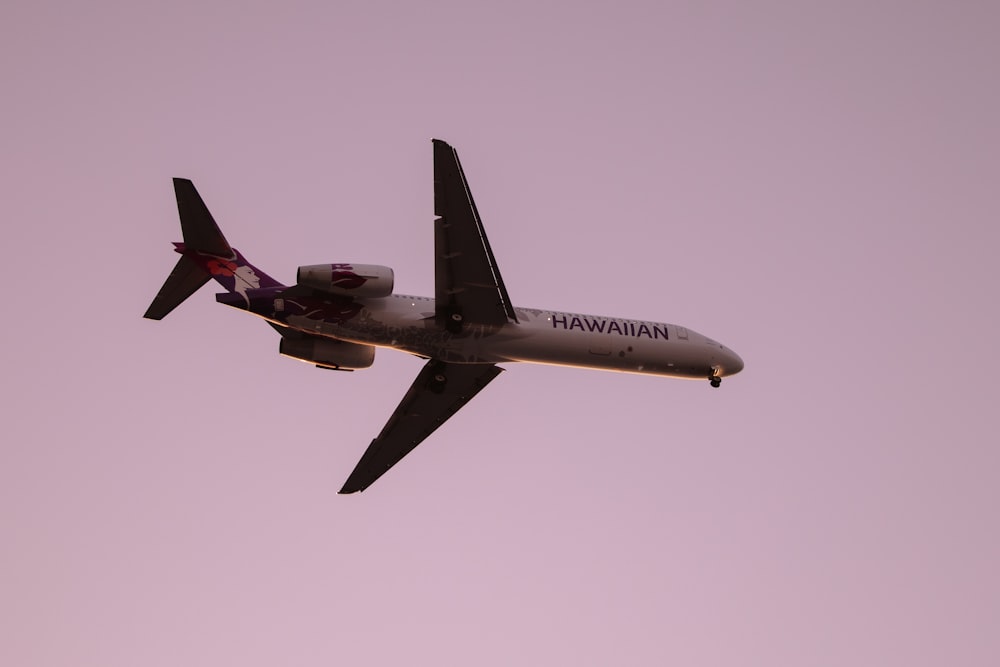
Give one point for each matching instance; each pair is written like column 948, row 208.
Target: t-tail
column 205, row 254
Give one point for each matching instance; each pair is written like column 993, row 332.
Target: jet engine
column 328, row 353
column 358, row 280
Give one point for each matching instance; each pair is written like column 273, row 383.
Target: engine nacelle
column 328, row 353
column 360, row 280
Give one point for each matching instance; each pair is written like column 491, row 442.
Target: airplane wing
column 468, row 287
column 468, row 290
column 439, row 391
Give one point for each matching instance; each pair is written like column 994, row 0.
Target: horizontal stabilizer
column 205, row 254
column 200, row 231
column 182, row 282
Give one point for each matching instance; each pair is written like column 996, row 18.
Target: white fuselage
column 408, row 323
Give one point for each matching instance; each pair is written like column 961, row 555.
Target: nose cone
column 731, row 363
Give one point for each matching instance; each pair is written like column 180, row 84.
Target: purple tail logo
column 234, row 273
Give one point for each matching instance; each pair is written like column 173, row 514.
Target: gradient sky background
column 812, row 183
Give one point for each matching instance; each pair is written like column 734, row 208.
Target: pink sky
column 813, row 184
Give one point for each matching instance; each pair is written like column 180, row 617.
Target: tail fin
column 205, row 254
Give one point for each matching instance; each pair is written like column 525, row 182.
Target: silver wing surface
column 439, row 391
column 468, row 290
column 467, row 283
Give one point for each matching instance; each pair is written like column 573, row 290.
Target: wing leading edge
column 440, row 390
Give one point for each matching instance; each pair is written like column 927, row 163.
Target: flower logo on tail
column 221, row 267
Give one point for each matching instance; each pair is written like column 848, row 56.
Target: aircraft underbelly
column 397, row 325
column 601, row 351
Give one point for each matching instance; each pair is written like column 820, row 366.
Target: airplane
column 335, row 315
